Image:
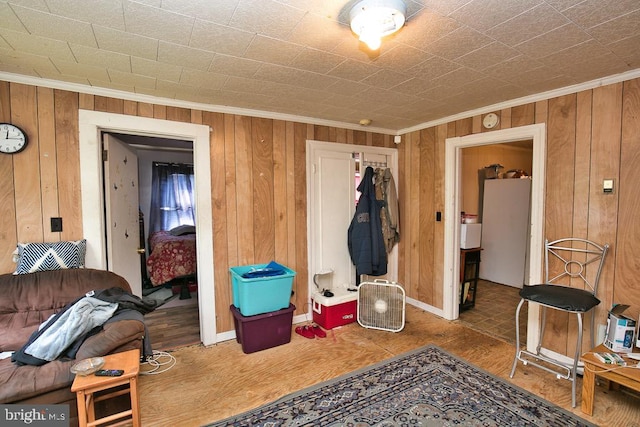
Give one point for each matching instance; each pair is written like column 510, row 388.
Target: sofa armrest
column 116, row 336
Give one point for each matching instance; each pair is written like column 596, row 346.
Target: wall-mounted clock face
column 12, row 139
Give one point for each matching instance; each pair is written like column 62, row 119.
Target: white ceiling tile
column 184, row 56
column 111, row 85
column 316, row 61
column 487, row 56
column 346, row 87
column 318, row 32
column 26, row 60
column 199, row 78
column 123, row 42
column 219, row 38
column 81, row 70
column 242, row 84
column 561, row 5
column 266, row 17
column 385, row 79
column 628, row 50
column 485, row 14
column 101, row 58
column 37, row 45
column 590, row 13
column 107, row 13
column 556, row 40
column 157, row 23
column 288, row 75
column 433, row 67
column 426, row 28
column 402, row 58
column 532, row 23
column 56, row 27
column 266, row 49
column 415, row 86
column 9, row 19
column 353, row 70
column 458, row 43
column 512, row 69
column 617, row 29
column 219, row 11
column 444, row 7
column 458, row 77
column 156, row 69
column 131, row 79
column 234, row 66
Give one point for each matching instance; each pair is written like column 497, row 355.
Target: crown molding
column 603, row 81
column 138, row 97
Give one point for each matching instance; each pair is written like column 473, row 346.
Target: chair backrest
column 571, row 256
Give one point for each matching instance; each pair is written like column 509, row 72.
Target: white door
column 333, row 197
column 122, row 207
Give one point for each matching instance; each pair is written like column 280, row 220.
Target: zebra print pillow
column 34, row 257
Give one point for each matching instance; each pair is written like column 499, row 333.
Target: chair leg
column 576, row 357
column 515, row 359
column 543, row 323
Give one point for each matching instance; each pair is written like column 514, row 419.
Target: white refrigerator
column 505, row 231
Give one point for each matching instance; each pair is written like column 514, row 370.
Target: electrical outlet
column 56, row 225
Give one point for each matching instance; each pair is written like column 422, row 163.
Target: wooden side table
column 86, row 386
column 628, row 377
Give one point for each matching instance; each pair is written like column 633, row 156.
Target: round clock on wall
column 12, row 139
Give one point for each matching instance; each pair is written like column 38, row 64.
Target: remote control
column 109, row 372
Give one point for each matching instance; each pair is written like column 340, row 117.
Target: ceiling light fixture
column 373, row 19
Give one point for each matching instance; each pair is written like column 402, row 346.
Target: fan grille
column 381, row 305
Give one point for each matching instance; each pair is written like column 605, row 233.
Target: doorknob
column 140, row 250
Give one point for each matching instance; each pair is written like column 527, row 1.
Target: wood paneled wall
column 258, row 179
column 591, row 136
column 259, row 184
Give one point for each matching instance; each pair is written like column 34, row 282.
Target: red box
column 338, row 310
column 263, row 331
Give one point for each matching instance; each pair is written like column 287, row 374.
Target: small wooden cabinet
column 469, row 276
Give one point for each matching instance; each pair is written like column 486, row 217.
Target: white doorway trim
column 91, row 124
column 453, row 155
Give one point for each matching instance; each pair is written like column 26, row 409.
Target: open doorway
column 496, row 198
column 453, row 182
column 91, row 125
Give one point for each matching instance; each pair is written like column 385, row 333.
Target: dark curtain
column 172, row 196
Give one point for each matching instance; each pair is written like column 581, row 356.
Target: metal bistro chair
column 572, row 255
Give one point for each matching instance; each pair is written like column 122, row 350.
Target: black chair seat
column 562, row 297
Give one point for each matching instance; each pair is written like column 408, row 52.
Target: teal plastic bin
column 261, row 294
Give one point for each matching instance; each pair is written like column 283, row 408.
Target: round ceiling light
column 373, row 19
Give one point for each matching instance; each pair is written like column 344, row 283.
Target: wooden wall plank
column 145, row 109
column 426, row 202
column 48, row 162
column 522, row 115
column 263, row 209
column 178, row 114
column 8, row 223
column 413, row 223
column 290, row 190
column 627, row 288
column 130, row 108
column 301, row 134
column 26, row 166
column 438, row 230
column 280, row 192
column 68, row 155
column 86, row 101
column 244, row 189
column 231, row 192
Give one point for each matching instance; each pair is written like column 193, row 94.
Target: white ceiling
column 299, row 57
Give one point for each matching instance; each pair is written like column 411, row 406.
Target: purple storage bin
column 263, row 331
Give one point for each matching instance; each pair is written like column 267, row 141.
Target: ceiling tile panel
column 288, row 75
column 402, row 58
column 158, row 23
column 426, row 28
column 444, row 7
column 234, row 66
column 184, row 56
column 458, row 43
column 274, row 51
column 487, row 56
column 9, row 19
column 24, row 60
column 101, row 58
column 353, row 70
column 532, row 23
column 385, row 79
column 156, row 69
column 561, row 5
column 123, row 42
column 484, row 14
column 316, row 61
column 415, row 86
column 56, row 27
column 241, row 84
column 219, row 38
column 617, row 29
column 107, row 13
column 554, row 41
column 199, row 78
column 87, row 71
column 266, row 17
column 130, row 79
column 319, row 32
column 590, row 13
column 29, row 43
column 346, row 87
column 628, row 50
column 218, row 11
column 458, row 77
column 434, row 67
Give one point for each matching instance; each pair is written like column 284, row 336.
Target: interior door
column 122, row 207
column 334, row 205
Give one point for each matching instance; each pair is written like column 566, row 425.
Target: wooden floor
column 209, row 384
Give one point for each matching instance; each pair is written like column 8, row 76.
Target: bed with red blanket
column 172, row 256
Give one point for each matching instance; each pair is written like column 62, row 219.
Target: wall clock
column 12, row 139
column 491, row 120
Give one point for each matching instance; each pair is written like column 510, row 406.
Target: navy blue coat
column 365, row 240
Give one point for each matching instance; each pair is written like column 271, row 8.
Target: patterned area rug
column 426, row 387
